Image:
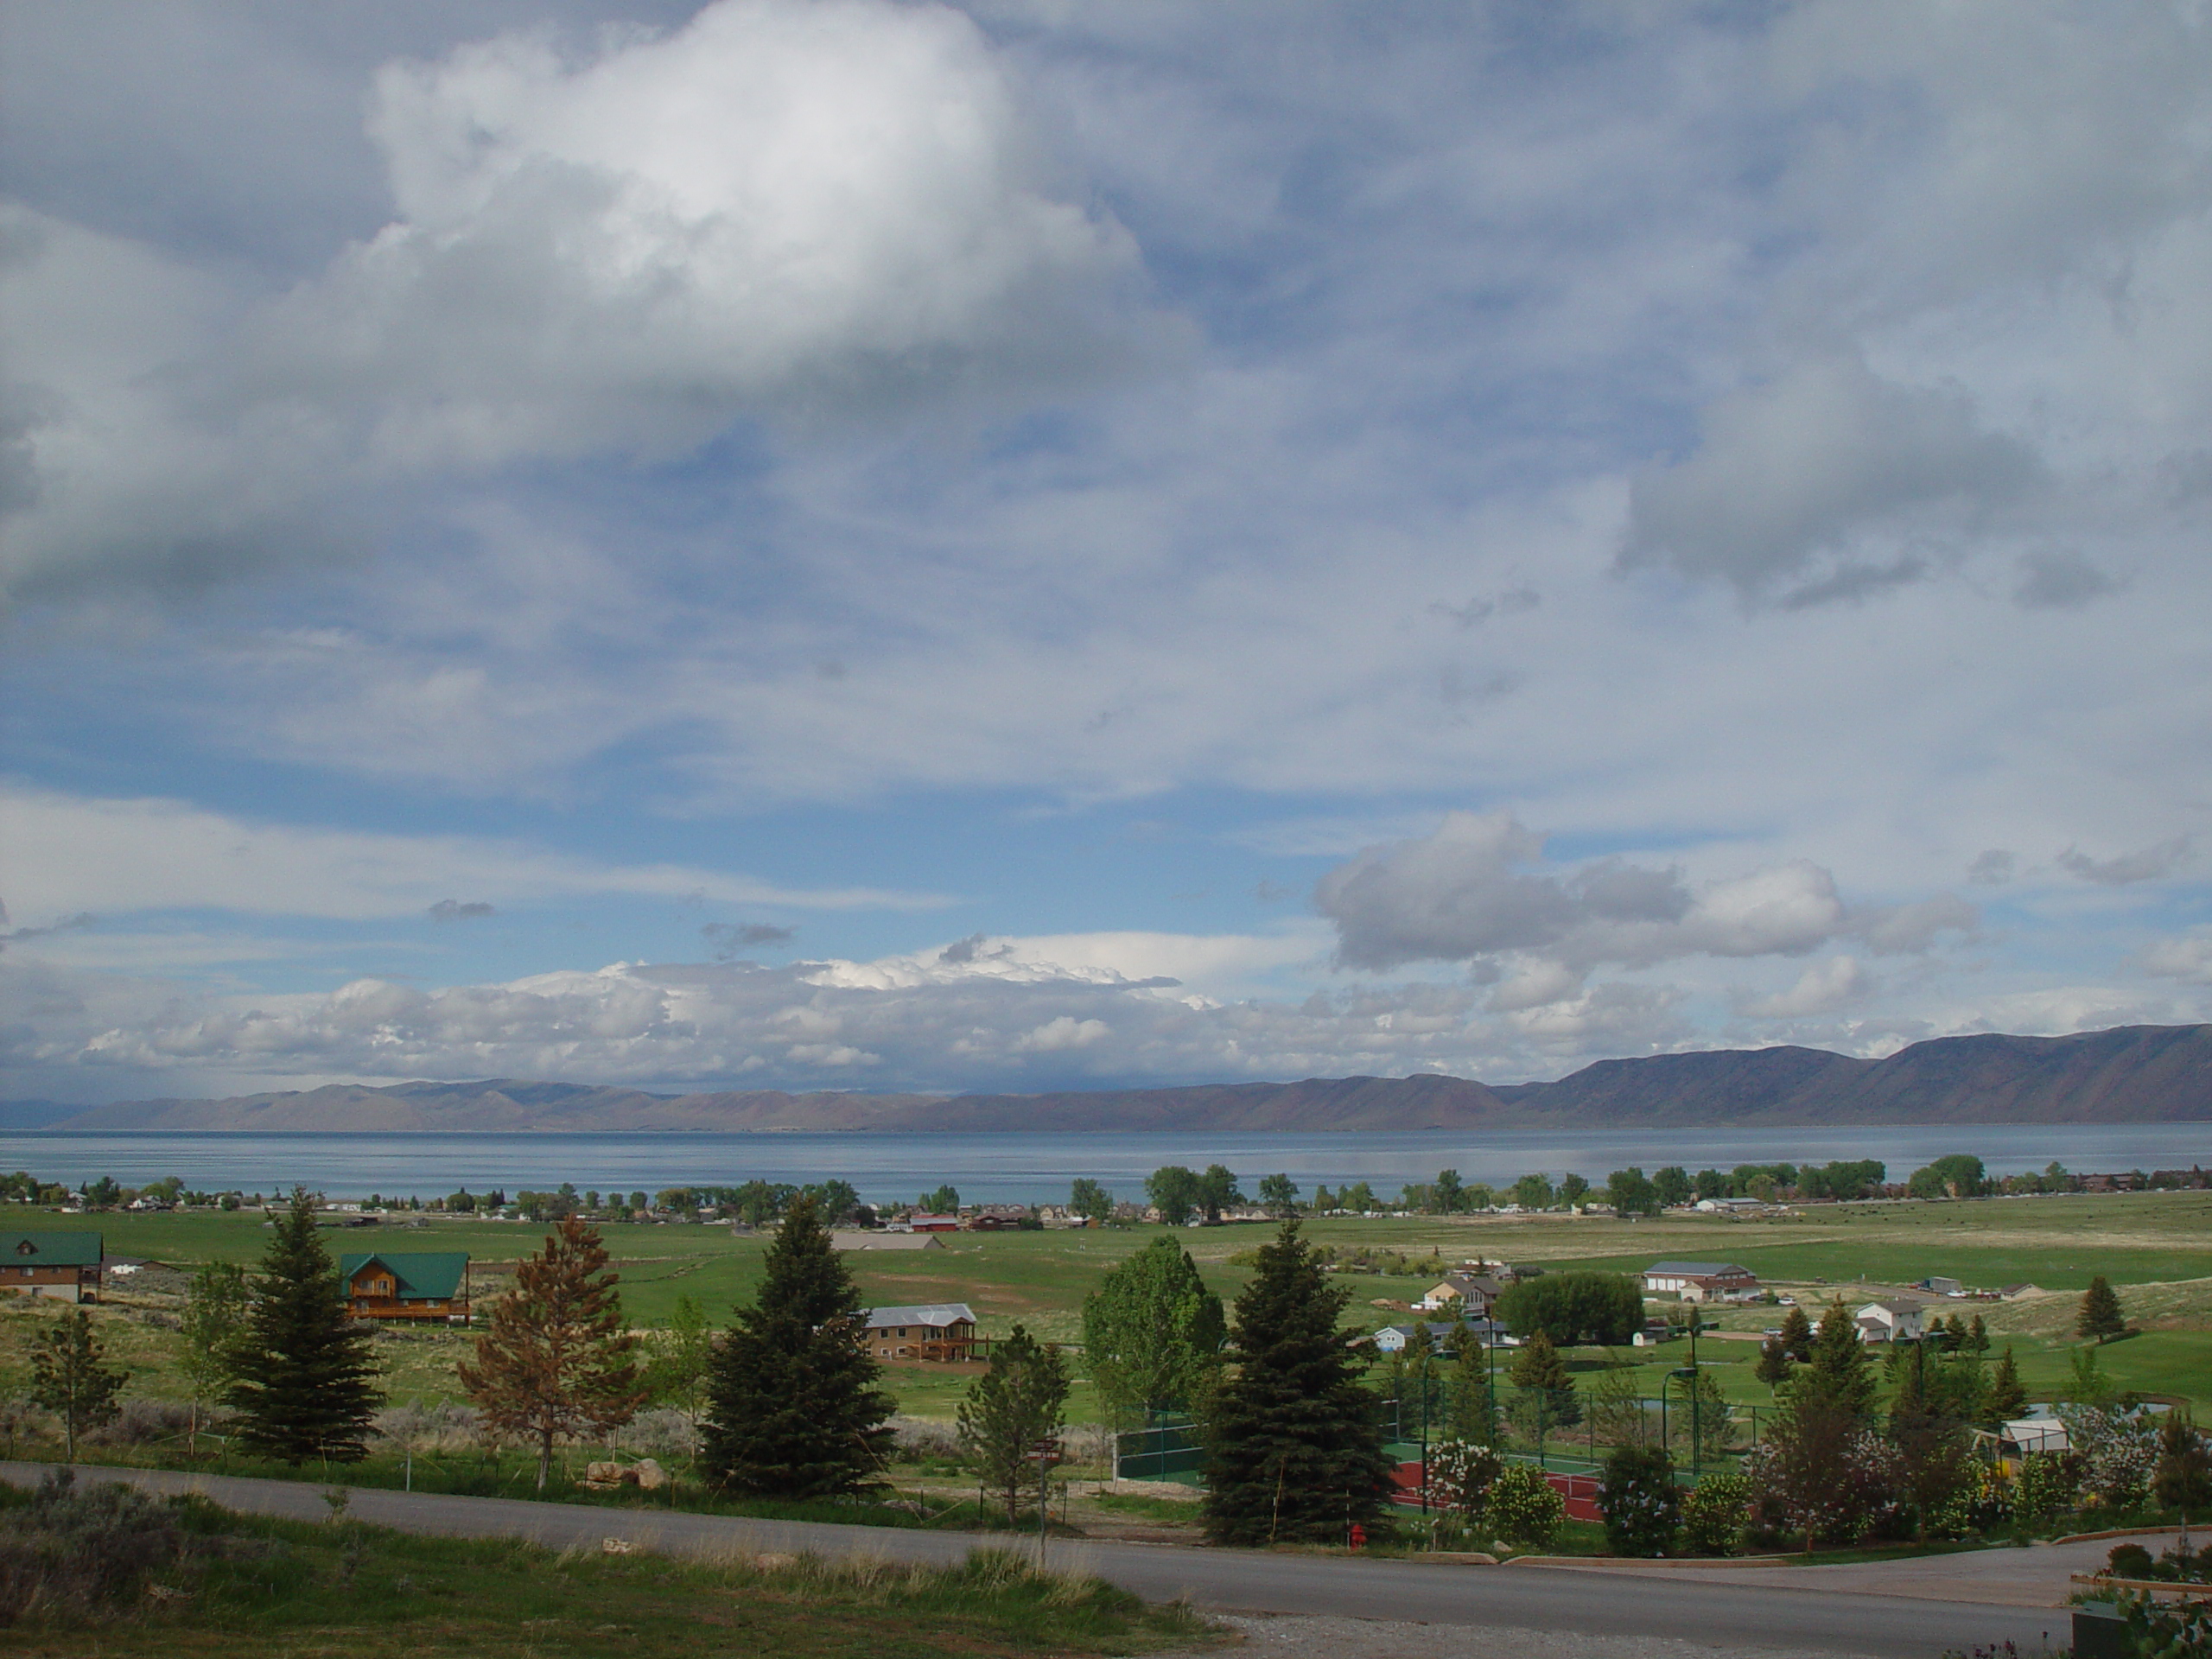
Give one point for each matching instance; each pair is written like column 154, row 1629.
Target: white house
column 1699, row 1282
column 1890, row 1321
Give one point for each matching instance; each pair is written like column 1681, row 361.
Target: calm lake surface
column 1034, row 1168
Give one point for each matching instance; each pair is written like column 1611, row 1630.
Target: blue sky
column 870, row 545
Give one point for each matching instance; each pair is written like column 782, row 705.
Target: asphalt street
column 1528, row 1597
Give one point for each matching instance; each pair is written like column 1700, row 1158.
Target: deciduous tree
column 557, row 1364
column 215, row 1307
column 302, row 1375
column 1020, row 1401
column 68, row 1379
column 1574, row 1307
column 1176, row 1192
column 1088, row 1199
column 1293, row 1449
column 792, row 1408
column 1151, row 1332
column 1279, row 1196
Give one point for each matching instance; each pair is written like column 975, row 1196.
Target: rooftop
column 71, row 1249
column 939, row 1314
column 435, row 1273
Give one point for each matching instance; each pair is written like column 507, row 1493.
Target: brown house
column 942, row 1331
column 407, row 1285
column 63, row 1266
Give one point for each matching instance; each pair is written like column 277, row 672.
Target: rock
column 617, row 1547
column 648, row 1473
column 603, row 1477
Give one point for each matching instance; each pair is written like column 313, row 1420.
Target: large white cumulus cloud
column 781, row 209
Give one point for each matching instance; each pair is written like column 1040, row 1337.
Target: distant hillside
column 2136, row 1074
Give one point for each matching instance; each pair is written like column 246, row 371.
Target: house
column 1470, row 1294
column 872, row 1239
column 1728, row 1207
column 1393, row 1338
column 943, row 1332
column 63, row 1266
column 2014, row 1292
column 406, row 1285
column 1890, row 1321
column 919, row 1222
column 998, row 1218
column 1699, row 1282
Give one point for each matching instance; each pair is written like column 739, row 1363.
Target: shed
column 1699, row 1282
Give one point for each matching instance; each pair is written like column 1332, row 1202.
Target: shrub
column 1713, row 1514
column 1460, row 1475
column 2130, row 1561
column 68, row 1553
column 1982, row 1501
column 2050, row 1484
column 144, row 1422
column 1638, row 1498
column 1852, row 1490
column 1524, row 1508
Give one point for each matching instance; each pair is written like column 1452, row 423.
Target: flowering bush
column 2050, row 1484
column 1714, row 1513
column 1981, row 1503
column 1524, row 1508
column 2119, row 1451
column 1836, row 1488
column 1638, row 1498
column 1460, row 1475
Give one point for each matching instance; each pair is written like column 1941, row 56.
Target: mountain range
column 2133, row 1074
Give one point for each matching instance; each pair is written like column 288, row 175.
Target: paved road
column 1736, row 1615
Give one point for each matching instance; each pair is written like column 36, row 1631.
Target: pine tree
column 1020, row 1401
column 68, row 1380
column 302, row 1377
column 1797, row 1335
column 1837, row 1373
column 1774, row 1363
column 2182, row 1480
column 1470, row 1408
column 1545, row 1393
column 1294, row 1451
column 2006, row 1396
column 557, row 1362
column 2101, row 1316
column 213, row 1319
column 793, row 1409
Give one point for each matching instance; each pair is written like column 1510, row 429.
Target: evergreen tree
column 1151, row 1332
column 1836, row 1373
column 2182, row 1478
column 302, row 1375
column 214, row 1317
column 1294, row 1453
column 68, row 1380
column 1977, row 1337
column 1544, row 1391
column 1797, row 1335
column 2004, row 1397
column 2101, row 1316
column 557, row 1361
column 1774, row 1363
column 1020, row 1401
column 1470, row 1410
column 793, row 1408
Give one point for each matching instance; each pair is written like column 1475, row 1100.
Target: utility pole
column 1047, row 1454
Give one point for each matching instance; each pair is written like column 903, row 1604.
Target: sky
column 844, row 545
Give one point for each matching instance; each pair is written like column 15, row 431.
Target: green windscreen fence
column 1166, row 1449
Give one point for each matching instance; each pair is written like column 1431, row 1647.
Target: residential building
column 1393, row 1338
column 406, row 1285
column 1699, row 1282
column 1890, row 1321
column 921, row 1222
column 938, row 1331
column 65, row 1266
column 1471, row 1293
column 874, row 1238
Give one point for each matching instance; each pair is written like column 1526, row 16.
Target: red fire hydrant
column 1358, row 1536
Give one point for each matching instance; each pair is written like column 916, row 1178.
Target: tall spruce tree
column 793, row 1408
column 302, row 1377
column 1293, row 1444
column 2101, row 1316
column 1797, row 1338
column 2006, row 1397
column 557, row 1362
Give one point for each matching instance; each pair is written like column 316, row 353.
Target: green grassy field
column 2156, row 1247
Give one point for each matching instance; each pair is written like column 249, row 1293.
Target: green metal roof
column 435, row 1273
column 50, row 1249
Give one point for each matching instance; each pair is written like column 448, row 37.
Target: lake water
column 1034, row 1168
